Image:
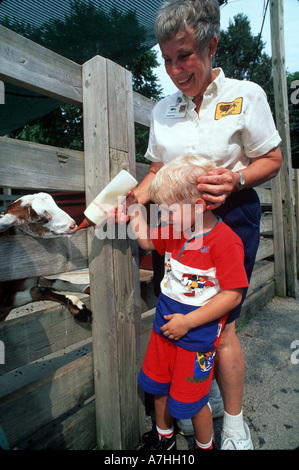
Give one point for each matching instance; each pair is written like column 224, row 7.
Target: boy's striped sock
column 200, row 446
column 167, row 433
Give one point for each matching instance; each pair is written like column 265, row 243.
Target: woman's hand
column 217, row 185
column 176, row 327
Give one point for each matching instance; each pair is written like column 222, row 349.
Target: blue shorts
column 185, row 376
column 242, row 213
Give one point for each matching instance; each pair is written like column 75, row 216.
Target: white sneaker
column 231, row 441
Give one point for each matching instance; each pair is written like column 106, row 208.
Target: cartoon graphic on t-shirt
column 195, row 284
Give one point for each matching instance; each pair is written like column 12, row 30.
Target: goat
column 39, row 216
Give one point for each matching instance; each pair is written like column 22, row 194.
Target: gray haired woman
column 229, row 122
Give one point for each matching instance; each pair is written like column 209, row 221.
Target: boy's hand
column 176, row 327
column 131, row 198
column 120, row 214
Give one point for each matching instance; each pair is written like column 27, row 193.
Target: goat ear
column 7, row 221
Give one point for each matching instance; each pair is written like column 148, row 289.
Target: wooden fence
column 66, row 385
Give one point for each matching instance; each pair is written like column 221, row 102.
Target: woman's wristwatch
column 242, row 181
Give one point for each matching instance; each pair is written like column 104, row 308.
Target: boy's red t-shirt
column 197, row 269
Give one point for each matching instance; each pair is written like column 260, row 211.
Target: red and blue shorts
column 185, row 376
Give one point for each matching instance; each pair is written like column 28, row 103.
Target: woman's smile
column 182, row 82
column 188, row 66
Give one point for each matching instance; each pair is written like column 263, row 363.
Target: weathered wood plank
column 265, row 249
column 75, row 432
column 262, row 273
column 27, row 165
column 127, row 321
column 22, row 256
column 31, row 66
column 117, row 101
column 266, row 225
column 39, row 334
column 38, row 403
column 265, row 196
column 112, row 293
column 142, row 110
column 96, row 138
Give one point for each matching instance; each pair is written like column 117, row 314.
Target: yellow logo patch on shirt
column 228, row 109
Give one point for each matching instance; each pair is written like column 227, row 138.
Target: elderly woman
column 227, row 121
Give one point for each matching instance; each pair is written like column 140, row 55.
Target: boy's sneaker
column 151, row 441
column 230, row 441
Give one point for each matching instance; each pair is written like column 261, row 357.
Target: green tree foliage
column 144, row 80
column 240, row 55
column 87, row 30
column 145, row 83
column 84, row 32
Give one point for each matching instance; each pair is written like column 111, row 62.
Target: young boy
column 204, row 277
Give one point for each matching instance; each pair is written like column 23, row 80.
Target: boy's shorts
column 183, row 375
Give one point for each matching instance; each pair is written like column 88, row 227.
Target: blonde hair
column 177, row 180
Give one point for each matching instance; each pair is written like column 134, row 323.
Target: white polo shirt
column 234, row 124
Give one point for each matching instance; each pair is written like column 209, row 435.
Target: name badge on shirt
column 176, row 110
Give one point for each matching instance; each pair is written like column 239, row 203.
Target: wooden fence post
column 282, row 120
column 109, row 147
column 296, row 174
column 278, row 238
